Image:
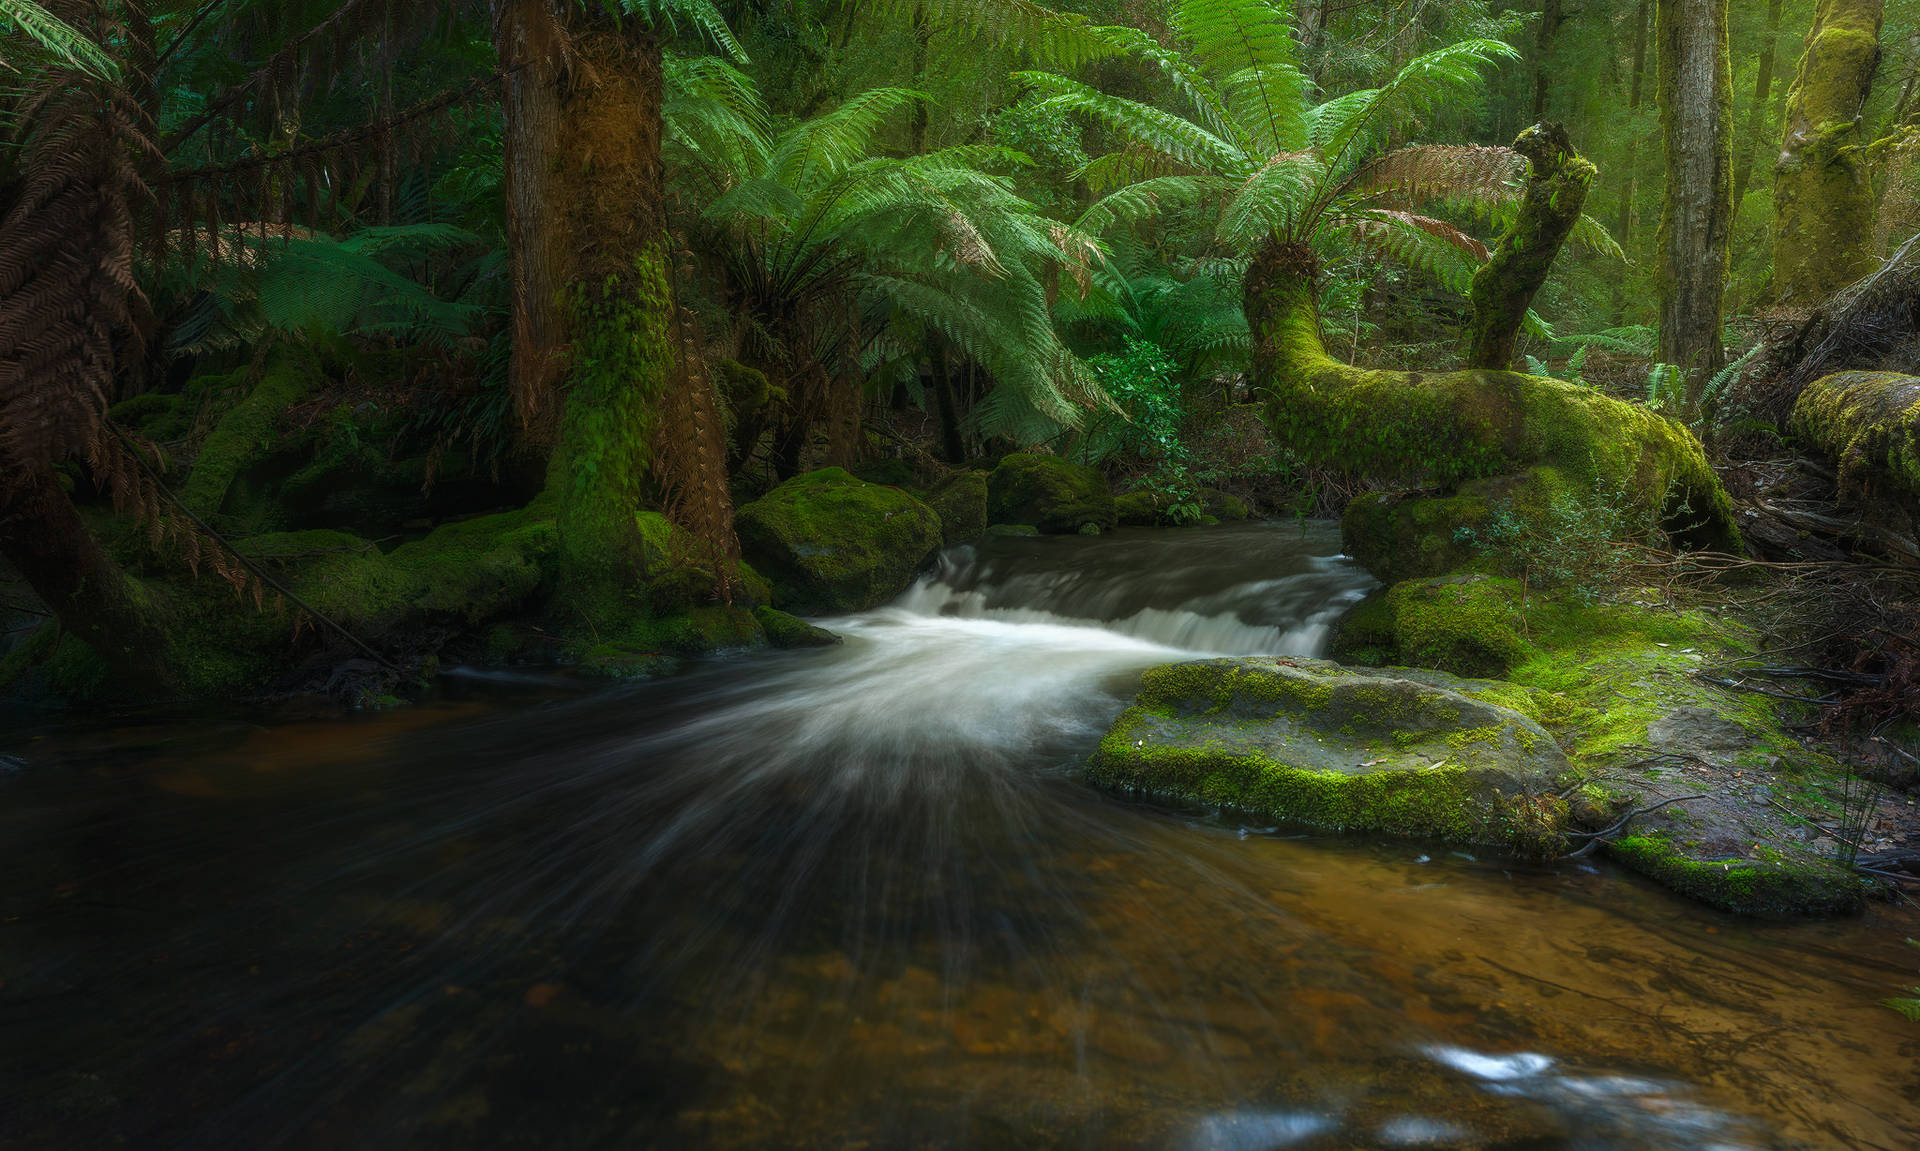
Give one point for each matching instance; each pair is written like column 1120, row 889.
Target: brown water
column 856, row 898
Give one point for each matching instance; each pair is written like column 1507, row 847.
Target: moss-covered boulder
column 961, row 501
column 1055, row 495
column 1868, row 423
column 783, row 630
column 1137, row 509
column 1469, row 625
column 1311, row 742
column 830, row 543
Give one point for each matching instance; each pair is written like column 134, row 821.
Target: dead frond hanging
column 1445, row 172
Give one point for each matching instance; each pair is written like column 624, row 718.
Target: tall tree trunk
column 1757, row 115
column 1504, row 287
column 531, row 43
column 953, row 446
column 1551, row 17
column 1636, row 92
column 1822, row 183
column 587, row 186
column 1696, row 113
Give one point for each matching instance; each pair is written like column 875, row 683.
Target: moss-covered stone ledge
column 1795, row 887
column 1311, row 742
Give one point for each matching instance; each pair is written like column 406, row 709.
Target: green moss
column 961, row 502
column 160, row 417
column 830, row 543
column 29, row 652
column 1823, row 197
column 621, row 362
column 1137, row 509
column 1770, row 888
column 1504, row 287
column 1868, row 423
column 1054, row 495
column 784, row 630
column 249, row 431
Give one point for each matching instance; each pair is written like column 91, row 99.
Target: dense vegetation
column 340, row 331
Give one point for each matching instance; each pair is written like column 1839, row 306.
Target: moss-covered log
column 247, row 433
column 1823, row 199
column 1526, row 438
column 1504, row 287
column 1868, row 423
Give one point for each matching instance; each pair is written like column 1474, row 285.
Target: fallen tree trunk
column 1488, row 440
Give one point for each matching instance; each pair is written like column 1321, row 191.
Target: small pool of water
column 856, row 897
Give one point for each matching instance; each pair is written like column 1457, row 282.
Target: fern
column 31, row 35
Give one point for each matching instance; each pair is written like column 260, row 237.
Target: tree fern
column 29, row 35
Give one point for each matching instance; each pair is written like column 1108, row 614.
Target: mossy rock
column 1399, row 537
column 830, row 543
column 961, row 501
column 1055, row 495
column 1467, row 625
column 1311, row 742
column 1137, row 509
column 1013, row 531
column 1224, row 506
column 160, row 417
column 1789, row 888
column 783, row 630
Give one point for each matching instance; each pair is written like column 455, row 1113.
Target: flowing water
column 856, row 897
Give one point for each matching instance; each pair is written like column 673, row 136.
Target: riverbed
column 857, row 897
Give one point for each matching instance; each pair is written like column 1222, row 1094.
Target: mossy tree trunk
column 1636, row 92
column 43, row 536
column 1696, row 114
column 1822, row 183
column 1504, row 287
column 602, row 243
column 1762, row 95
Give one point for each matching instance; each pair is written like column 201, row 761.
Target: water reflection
column 855, row 898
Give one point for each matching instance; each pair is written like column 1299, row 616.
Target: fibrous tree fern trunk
column 586, row 189
column 1504, row 287
column 1822, row 183
column 1696, row 114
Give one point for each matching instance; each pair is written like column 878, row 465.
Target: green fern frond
column 1141, row 201
column 1271, row 200
column 1144, row 126
column 830, row 143
column 1247, row 48
column 699, row 16
column 34, row 35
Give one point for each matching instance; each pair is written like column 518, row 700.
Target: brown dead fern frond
column 1373, row 228
column 1424, row 173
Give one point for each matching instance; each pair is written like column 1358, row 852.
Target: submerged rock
column 1308, row 741
column 830, row 543
column 1054, row 495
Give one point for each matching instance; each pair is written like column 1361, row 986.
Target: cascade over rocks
column 1308, row 741
column 830, row 543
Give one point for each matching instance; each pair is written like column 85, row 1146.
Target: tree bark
column 1551, row 17
column 1757, row 115
column 531, row 43
column 587, row 186
column 1822, row 183
column 43, row 536
column 1636, row 90
column 1504, row 287
column 1695, row 121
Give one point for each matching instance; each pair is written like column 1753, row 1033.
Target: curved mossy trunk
column 1504, row 288
column 1483, row 437
column 246, row 434
column 598, row 154
column 1823, row 200
column 42, row 535
column 1696, row 125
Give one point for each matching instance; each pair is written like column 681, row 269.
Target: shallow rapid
column 857, row 897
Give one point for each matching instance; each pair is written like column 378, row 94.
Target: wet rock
column 1697, row 731
column 1054, row 495
column 1313, row 742
column 961, row 502
column 830, row 543
column 785, row 630
column 1013, row 531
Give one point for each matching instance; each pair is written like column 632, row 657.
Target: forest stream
column 857, row 897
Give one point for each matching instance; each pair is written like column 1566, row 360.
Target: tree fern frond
column 1420, row 85
column 1140, row 201
column 1247, row 48
column 828, row 144
column 1143, row 125
column 41, row 36
column 1064, row 40
column 1433, row 246
column 1408, row 177
column 699, row 15
column 1270, row 200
